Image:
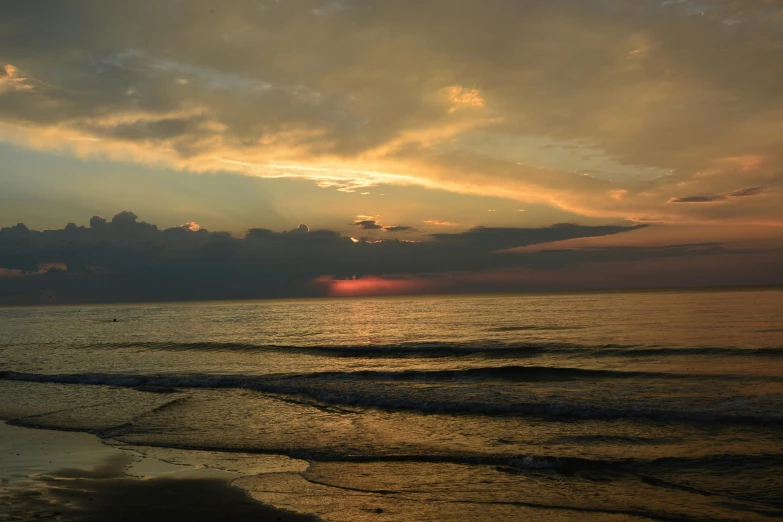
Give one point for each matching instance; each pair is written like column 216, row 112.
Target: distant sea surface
column 615, row 406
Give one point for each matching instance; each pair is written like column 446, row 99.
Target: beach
column 626, row 406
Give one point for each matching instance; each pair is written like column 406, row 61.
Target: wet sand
column 67, row 476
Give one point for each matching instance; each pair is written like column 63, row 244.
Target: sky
column 405, row 146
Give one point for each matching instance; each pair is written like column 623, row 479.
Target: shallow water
column 655, row 405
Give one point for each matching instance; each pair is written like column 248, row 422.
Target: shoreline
column 73, row 476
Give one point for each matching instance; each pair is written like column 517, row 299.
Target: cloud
column 128, row 259
column 373, row 223
column 355, row 94
column 191, row 226
column 368, row 224
column 463, row 98
column 698, row 199
column 493, row 238
column 10, row 79
column 438, row 223
column 755, row 191
column 399, row 228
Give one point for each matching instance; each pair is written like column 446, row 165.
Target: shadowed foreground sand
column 163, row 499
column 106, row 493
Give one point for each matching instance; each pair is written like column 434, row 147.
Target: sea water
column 609, row 406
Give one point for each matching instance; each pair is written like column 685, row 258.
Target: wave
column 720, row 412
column 510, row 373
column 487, row 349
column 489, row 373
column 509, row 463
column 372, row 390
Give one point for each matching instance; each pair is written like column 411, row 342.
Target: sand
column 68, row 476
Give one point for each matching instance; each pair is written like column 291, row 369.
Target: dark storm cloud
column 127, row 259
column 753, row 191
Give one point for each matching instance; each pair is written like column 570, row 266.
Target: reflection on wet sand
column 105, row 491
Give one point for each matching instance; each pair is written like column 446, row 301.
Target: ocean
column 605, row 406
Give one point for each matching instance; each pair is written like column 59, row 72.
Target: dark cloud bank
column 129, row 260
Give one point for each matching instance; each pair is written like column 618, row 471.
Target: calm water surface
column 633, row 406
